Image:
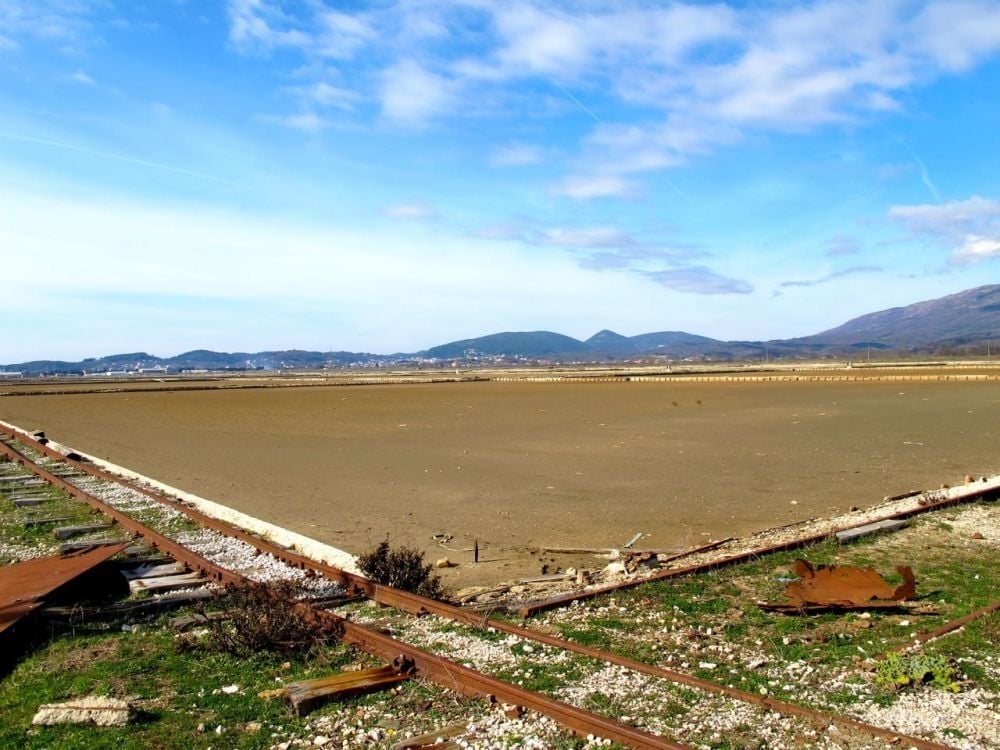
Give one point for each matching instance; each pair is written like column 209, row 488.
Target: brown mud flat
column 523, row 465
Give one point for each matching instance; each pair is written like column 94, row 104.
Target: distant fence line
column 744, row 378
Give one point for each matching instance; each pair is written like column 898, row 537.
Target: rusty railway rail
column 443, row 671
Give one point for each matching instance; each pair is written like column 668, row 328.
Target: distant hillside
column 510, row 344
column 958, row 323
column 969, row 317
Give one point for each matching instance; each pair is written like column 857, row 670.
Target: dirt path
column 519, row 465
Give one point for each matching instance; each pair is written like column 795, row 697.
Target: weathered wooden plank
column 32, row 522
column 305, row 695
column 166, row 583
column 438, row 739
column 28, row 502
column 881, row 527
column 154, row 570
column 66, row 532
column 68, row 548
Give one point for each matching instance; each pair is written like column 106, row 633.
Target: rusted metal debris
column 950, row 627
column 305, row 695
column 842, row 587
column 25, row 585
column 449, row 673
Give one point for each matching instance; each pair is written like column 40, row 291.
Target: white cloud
column 975, row 249
column 81, row 77
column 540, row 42
column 411, row 212
column 588, row 238
column 833, row 276
column 699, row 280
column 261, row 25
column 52, row 21
column 704, row 74
column 307, row 122
column 516, row 155
column 842, row 244
column 412, row 94
column 342, row 277
column 341, row 35
column 595, row 186
column 969, row 228
column 957, row 34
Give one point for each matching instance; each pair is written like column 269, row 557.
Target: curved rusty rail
column 443, row 671
column 419, row 605
column 532, row 608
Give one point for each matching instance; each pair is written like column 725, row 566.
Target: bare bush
column 403, row 568
column 267, row 617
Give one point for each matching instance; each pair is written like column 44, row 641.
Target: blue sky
column 387, row 176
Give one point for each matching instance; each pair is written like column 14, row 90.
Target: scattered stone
column 976, row 535
column 444, row 562
column 98, row 710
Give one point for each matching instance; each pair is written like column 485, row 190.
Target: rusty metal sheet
column 24, row 585
column 843, row 587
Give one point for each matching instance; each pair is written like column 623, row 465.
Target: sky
column 387, row 176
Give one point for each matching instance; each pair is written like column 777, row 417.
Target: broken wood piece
column 32, row 522
column 180, row 624
column 93, row 709
column 119, row 609
column 305, row 695
column 579, row 550
column 881, row 527
column 28, row 502
column 154, row 570
column 66, row 532
column 166, row 583
column 433, row 739
column 633, row 540
column 551, row 578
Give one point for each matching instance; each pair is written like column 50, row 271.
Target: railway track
column 481, row 656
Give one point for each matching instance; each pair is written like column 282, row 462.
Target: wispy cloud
column 975, row 249
column 411, row 212
column 588, row 238
column 413, row 95
column 833, row 276
column 970, row 229
column 699, row 280
column 640, row 260
column 588, row 187
column 706, row 74
column 516, row 155
column 306, row 121
column 842, row 244
column 81, row 77
column 53, row 21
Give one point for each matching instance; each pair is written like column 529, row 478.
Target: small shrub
column 403, row 568
column 897, row 672
column 267, row 617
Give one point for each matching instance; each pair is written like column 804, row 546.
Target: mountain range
column 963, row 323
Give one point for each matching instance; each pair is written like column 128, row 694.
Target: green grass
column 172, row 688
